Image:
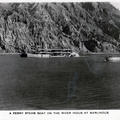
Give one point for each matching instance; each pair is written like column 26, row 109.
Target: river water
column 58, row 83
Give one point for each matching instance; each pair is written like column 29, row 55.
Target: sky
column 116, row 4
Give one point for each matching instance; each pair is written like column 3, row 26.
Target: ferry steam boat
column 46, row 53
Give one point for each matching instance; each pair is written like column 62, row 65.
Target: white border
column 6, row 1
column 113, row 114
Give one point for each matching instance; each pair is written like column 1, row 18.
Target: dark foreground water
column 59, row 83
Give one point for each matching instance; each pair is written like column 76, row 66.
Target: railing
column 53, row 50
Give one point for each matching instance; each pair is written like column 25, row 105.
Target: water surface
column 59, row 83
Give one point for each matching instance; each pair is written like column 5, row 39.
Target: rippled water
column 59, row 83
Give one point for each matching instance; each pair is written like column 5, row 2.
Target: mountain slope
column 83, row 27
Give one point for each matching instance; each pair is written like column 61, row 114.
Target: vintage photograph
column 59, row 56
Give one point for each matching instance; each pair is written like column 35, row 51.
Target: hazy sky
column 116, row 4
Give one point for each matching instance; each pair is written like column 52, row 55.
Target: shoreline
column 9, row 53
column 101, row 53
column 82, row 54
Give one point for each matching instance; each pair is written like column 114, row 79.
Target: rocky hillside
column 83, row 27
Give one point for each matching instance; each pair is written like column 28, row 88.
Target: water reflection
column 72, row 86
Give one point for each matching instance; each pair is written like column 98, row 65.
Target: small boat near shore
column 24, row 55
column 112, row 59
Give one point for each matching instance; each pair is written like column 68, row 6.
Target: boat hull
column 38, row 55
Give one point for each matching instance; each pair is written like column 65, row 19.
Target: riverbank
column 80, row 54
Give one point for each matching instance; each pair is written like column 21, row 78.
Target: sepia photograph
column 60, row 56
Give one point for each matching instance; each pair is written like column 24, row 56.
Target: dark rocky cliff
column 83, row 27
